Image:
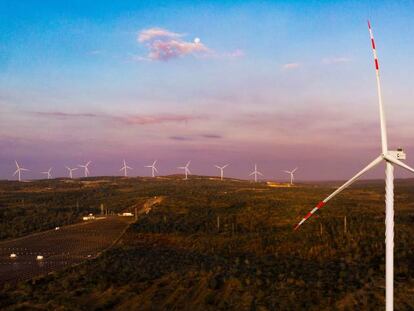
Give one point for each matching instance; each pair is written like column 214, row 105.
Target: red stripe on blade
column 320, row 204
column 376, row 64
column 369, row 25
column 307, row 215
column 373, row 43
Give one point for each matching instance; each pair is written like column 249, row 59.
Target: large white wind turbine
column 125, row 168
column 19, row 170
column 255, row 173
column 71, row 170
column 221, row 168
column 153, row 168
column 391, row 158
column 186, row 169
column 85, row 168
column 292, row 177
column 48, row 173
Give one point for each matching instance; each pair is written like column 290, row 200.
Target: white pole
column 389, row 237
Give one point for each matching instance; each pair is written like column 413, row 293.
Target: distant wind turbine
column 71, row 171
column 221, row 168
column 291, row 175
column 153, row 168
column 186, row 169
column 125, row 168
column 19, row 170
column 48, row 173
column 255, row 173
column 85, row 168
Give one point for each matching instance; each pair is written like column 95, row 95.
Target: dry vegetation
column 209, row 246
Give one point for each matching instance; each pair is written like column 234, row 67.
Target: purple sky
column 281, row 85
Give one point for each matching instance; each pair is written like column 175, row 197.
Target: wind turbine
column 48, row 173
column 391, row 158
column 19, row 171
column 85, row 168
column 153, row 168
column 125, row 168
column 186, row 169
column 291, row 175
column 221, row 168
column 71, row 171
column 255, row 173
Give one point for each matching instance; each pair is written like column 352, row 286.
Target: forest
column 217, row 245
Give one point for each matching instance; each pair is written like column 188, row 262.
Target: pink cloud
column 156, row 33
column 157, row 119
column 60, row 114
column 164, row 45
column 291, row 66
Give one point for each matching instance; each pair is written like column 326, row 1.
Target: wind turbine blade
column 217, row 167
column 225, row 166
column 287, row 172
column 260, row 173
column 155, row 162
column 155, row 169
column 17, row 164
column 399, row 163
column 252, row 173
column 188, row 171
column 24, row 169
column 188, row 163
column 384, row 142
column 128, row 167
column 14, row 174
column 344, row 186
column 148, row 166
column 295, row 170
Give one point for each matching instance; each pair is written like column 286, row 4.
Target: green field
column 212, row 245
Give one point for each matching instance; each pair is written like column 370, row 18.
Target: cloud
column 65, row 115
column 180, row 138
column 335, row 60
column 158, row 119
column 164, row 45
column 156, row 33
column 290, row 66
column 136, row 119
column 212, row 136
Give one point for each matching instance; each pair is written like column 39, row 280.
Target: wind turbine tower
column 186, row 169
column 85, row 168
column 255, row 173
column 221, row 168
column 71, row 170
column 19, row 171
column 153, row 168
column 391, row 158
column 48, row 173
column 125, row 168
column 292, row 177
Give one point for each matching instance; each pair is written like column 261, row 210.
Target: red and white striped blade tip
column 308, row 215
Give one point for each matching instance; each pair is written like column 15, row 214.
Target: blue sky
column 283, row 84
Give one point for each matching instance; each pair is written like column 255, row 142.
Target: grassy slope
column 176, row 257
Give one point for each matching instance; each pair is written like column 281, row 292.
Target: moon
column 197, row 40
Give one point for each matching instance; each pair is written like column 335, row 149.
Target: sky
column 283, row 84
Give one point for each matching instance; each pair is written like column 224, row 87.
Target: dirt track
column 60, row 248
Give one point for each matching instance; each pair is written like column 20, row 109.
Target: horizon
column 205, row 82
